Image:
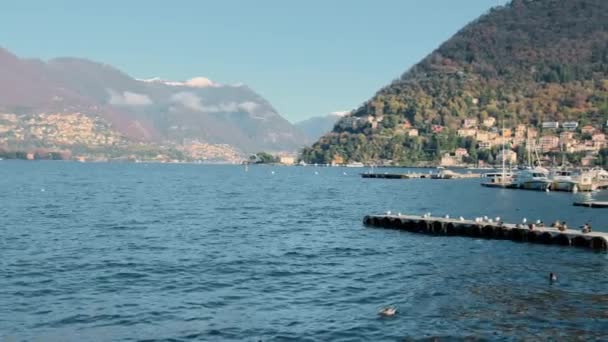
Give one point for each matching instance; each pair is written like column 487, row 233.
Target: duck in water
column 388, row 311
column 552, row 277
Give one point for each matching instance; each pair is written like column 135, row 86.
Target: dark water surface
column 104, row 252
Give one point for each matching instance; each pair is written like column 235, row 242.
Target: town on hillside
column 550, row 144
column 80, row 137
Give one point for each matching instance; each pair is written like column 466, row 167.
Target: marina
column 490, row 230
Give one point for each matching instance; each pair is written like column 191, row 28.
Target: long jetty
column 489, row 230
column 438, row 175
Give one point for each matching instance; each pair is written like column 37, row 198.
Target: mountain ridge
column 525, row 62
column 145, row 112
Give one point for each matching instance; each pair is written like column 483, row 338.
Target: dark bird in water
column 388, row 311
column 552, row 277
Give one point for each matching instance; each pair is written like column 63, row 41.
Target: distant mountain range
column 151, row 111
column 317, row 126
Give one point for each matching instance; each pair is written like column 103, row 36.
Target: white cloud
column 128, row 98
column 200, row 82
column 193, row 102
column 188, row 100
column 249, row 106
column 195, row 82
column 341, row 112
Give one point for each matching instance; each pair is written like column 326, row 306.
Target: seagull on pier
column 485, row 218
column 447, row 216
column 524, row 220
column 461, row 218
column 388, row 212
column 497, row 219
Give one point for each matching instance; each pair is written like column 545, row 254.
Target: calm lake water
column 105, row 252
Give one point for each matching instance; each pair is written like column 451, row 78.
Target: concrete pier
column 438, row 175
column 456, row 227
column 591, row 204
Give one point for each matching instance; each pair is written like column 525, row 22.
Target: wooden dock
column 592, row 204
column 489, row 230
column 438, row 175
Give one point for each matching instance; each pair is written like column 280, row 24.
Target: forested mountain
column 526, row 62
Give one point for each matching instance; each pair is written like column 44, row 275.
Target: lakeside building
column 287, row 160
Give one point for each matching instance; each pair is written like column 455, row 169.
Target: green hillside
column 527, row 62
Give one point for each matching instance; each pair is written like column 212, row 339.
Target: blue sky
column 308, row 58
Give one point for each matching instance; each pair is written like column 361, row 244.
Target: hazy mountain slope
column 155, row 112
column 317, row 126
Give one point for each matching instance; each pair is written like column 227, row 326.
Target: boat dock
column 438, row 175
column 489, row 230
column 591, row 204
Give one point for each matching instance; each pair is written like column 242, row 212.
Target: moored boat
column 532, row 179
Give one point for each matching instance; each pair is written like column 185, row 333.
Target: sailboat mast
column 503, row 149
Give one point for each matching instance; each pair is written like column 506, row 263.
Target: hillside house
column 461, row 153
column 550, row 125
column 520, row 131
column 598, row 137
column 469, row 123
column 570, row 125
column 548, row 143
column 510, row 156
column 448, row 160
column 489, row 122
column 467, row 132
column 588, row 160
column 588, row 129
column 436, row 128
column 485, row 145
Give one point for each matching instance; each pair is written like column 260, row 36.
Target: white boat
column 355, row 164
column 564, row 180
column 532, row 179
column 497, row 174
